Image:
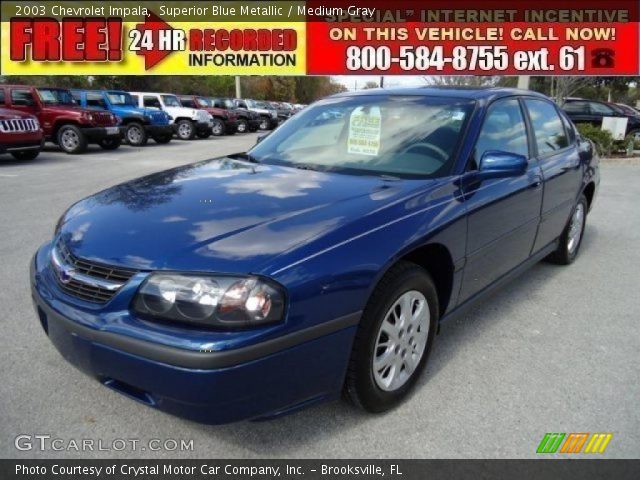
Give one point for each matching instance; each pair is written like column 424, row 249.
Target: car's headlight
column 214, row 301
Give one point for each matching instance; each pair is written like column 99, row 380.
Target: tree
column 566, row 86
column 370, row 84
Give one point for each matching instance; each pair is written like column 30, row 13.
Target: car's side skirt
column 506, row 278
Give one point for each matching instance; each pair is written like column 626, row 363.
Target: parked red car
column 20, row 134
column 62, row 120
column 225, row 122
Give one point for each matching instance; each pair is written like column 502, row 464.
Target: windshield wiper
column 305, row 166
column 244, row 156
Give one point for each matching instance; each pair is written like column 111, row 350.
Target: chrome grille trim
column 18, row 125
column 84, row 279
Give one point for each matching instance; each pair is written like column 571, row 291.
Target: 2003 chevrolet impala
column 319, row 262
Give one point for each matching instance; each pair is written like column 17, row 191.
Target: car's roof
column 474, row 93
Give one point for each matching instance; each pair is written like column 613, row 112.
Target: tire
column 162, row 139
column 217, row 128
column 110, row 143
column 571, row 238
column 71, row 139
column 253, row 129
column 186, row 130
column 26, row 155
column 136, row 135
column 243, row 126
column 363, row 386
column 205, row 134
column 264, row 123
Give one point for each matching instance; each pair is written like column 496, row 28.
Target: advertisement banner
column 319, row 38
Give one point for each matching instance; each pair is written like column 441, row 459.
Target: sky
column 356, row 82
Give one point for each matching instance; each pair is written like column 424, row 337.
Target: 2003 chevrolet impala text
column 319, row 262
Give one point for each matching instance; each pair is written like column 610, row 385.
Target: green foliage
column 631, row 138
column 602, row 138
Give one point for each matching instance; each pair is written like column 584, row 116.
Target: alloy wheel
column 70, row 140
column 401, row 341
column 134, row 135
column 575, row 228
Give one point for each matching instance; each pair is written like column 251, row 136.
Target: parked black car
column 581, row 110
column 248, row 121
column 285, row 110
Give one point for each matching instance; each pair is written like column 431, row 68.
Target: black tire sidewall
column 370, row 396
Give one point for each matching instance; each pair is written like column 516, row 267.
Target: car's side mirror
column 262, row 137
column 499, row 164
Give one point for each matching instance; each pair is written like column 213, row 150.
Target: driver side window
column 503, row 129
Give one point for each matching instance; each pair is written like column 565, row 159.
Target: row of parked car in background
column 74, row 118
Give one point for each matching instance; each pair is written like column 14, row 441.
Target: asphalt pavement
column 558, row 350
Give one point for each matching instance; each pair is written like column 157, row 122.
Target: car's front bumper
column 21, row 142
column 203, row 127
column 95, row 134
column 257, row 381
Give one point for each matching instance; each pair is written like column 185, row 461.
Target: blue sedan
column 320, row 262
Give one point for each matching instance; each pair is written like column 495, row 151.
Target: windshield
column 55, row 96
column 171, row 101
column 204, row 102
column 262, row 105
column 228, row 103
column 402, row 136
column 120, row 99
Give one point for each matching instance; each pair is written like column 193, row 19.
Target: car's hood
column 68, row 109
column 120, row 110
column 223, row 215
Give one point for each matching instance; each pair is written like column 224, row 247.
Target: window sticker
column 364, row 131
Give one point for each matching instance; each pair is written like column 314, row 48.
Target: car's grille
column 87, row 280
column 103, row 118
column 18, row 125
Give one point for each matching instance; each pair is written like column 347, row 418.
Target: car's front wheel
column 136, row 135
column 186, row 130
column 394, row 338
column 71, row 139
column 264, row 123
column 571, row 238
column 242, row 126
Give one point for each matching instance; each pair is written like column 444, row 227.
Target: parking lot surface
column 558, row 350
